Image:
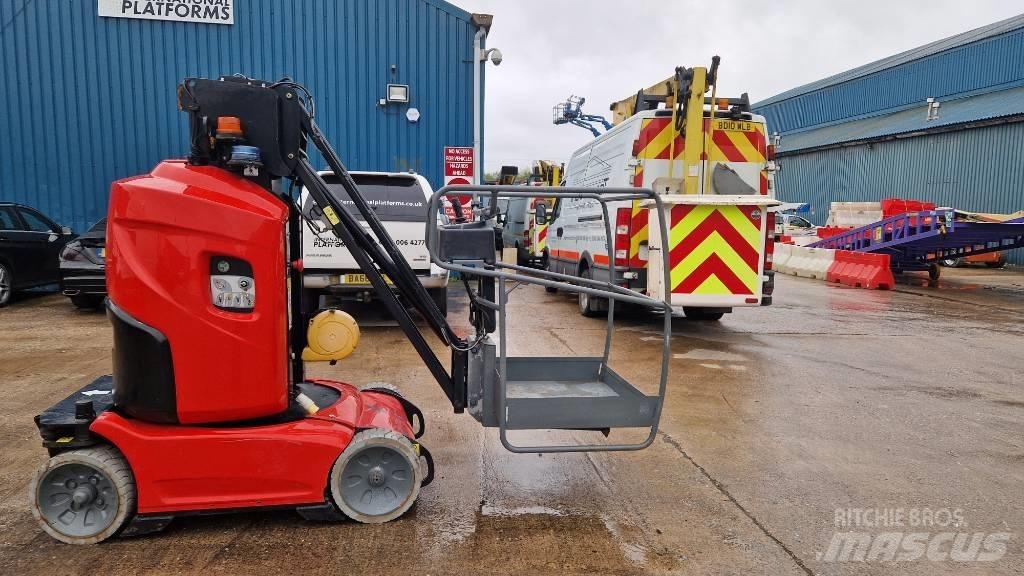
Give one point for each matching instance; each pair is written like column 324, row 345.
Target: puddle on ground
column 711, row 355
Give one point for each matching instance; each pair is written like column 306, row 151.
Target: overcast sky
column 606, row 50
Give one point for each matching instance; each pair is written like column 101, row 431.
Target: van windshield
column 393, row 198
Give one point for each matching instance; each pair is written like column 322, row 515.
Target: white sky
column 606, row 50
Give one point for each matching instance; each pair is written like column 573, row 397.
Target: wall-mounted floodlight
column 398, row 92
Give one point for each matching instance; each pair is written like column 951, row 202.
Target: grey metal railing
column 593, row 287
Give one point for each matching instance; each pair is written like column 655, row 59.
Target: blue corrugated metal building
column 865, row 134
column 88, row 99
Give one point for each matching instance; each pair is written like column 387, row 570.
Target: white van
column 720, row 256
column 400, row 200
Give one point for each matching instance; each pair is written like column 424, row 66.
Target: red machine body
column 163, row 231
column 198, row 468
column 208, row 407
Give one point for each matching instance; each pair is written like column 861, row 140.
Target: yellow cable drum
column 331, row 336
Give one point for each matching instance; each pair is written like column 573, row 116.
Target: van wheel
column 953, row 262
column 546, row 265
column 440, row 298
column 587, row 303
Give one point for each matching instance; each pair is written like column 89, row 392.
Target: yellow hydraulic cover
column 331, row 336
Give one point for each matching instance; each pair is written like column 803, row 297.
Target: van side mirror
column 541, row 213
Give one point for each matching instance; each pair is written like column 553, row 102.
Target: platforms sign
column 208, row 11
column 458, row 169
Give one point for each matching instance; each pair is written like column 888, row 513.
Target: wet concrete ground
column 831, row 399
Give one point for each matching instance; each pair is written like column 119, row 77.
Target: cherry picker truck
column 209, row 409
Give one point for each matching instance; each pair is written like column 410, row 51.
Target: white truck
column 711, row 163
column 400, row 201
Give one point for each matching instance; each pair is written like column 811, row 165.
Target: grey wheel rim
column 77, row 500
column 377, row 481
column 5, row 285
column 584, row 297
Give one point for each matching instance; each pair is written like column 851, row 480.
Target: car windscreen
column 393, row 198
column 98, row 230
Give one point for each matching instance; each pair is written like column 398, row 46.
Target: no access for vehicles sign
column 208, row 11
column 458, row 165
column 458, row 169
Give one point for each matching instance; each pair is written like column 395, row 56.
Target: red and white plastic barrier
column 861, row 270
column 857, row 269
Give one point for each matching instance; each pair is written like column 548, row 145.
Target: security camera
column 495, row 56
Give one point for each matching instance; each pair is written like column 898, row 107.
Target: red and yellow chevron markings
column 714, row 249
column 637, row 234
column 656, row 139
column 738, row 141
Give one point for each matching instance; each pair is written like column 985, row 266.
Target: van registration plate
column 361, row 279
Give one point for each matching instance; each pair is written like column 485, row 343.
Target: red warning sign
column 458, row 169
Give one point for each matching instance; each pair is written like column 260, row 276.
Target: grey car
column 83, row 267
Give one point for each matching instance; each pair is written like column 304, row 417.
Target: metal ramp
column 550, row 392
column 916, row 240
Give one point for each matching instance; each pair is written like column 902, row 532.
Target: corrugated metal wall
column 87, row 100
column 978, row 169
column 992, row 63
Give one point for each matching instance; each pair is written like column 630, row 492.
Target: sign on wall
column 208, row 11
column 458, row 169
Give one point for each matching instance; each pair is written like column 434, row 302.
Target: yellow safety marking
column 712, row 286
column 331, row 216
column 715, row 244
column 659, row 143
column 638, row 237
column 732, row 214
column 750, row 232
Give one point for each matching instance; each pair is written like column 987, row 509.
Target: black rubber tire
column 586, row 303
column 440, row 298
column 87, row 301
column 952, row 262
column 395, row 445
column 546, row 265
column 110, row 463
column 934, row 272
column 702, row 315
column 1000, row 264
column 6, row 284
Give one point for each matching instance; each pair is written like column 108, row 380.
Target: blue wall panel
column 979, row 170
column 87, row 100
column 990, row 64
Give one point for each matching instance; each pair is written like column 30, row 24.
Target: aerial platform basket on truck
column 209, row 408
